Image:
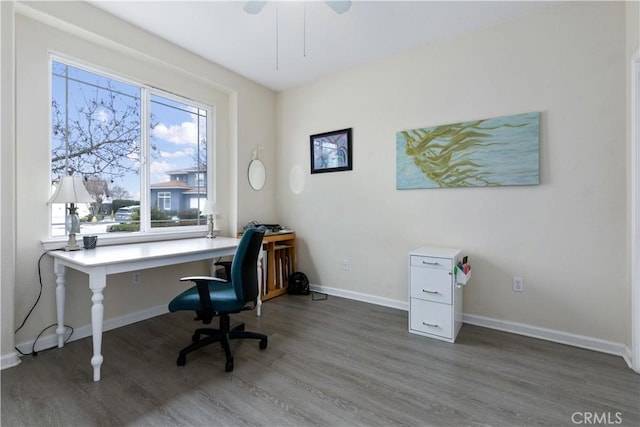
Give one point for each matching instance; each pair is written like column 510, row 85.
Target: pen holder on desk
column 90, row 242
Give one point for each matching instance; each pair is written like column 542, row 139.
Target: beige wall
column 7, row 182
column 245, row 117
column 566, row 236
column 633, row 27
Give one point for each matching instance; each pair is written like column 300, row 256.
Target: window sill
column 56, row 243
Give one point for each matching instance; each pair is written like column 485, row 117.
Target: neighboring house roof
column 171, row 185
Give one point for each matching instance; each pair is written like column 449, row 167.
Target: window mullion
column 145, row 166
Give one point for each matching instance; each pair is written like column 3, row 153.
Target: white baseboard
column 629, row 358
column 553, row 335
column 51, row 340
column 9, row 360
column 560, row 337
column 386, row 302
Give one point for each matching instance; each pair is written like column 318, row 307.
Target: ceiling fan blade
column 339, row 6
column 254, row 6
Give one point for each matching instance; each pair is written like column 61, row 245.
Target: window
column 178, row 132
column 134, row 145
column 164, row 200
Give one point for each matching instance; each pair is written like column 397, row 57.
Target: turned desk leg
column 97, row 283
column 59, row 269
column 260, row 267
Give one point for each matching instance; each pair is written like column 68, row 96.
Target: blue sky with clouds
column 177, row 126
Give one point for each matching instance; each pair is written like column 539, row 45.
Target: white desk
column 100, row 262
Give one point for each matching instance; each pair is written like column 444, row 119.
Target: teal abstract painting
column 481, row 153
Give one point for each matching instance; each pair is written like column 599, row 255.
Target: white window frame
column 146, row 233
column 164, row 196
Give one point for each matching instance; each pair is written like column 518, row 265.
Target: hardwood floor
column 329, row 363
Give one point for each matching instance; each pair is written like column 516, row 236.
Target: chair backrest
column 244, row 268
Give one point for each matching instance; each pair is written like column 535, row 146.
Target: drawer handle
column 433, row 325
column 430, row 292
column 430, row 263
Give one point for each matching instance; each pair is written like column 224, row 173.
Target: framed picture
column 481, row 153
column 331, row 151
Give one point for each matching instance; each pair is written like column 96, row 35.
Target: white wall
column 7, row 181
column 245, row 114
column 633, row 27
column 566, row 236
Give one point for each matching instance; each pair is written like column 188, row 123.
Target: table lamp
column 71, row 190
column 210, row 211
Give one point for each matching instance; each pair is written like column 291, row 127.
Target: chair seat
column 223, row 298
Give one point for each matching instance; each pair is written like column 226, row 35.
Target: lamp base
column 72, row 245
column 210, row 228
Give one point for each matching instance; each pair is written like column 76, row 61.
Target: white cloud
column 103, row 116
column 184, row 133
column 159, row 169
column 177, row 154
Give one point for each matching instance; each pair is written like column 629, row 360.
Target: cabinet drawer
column 431, row 284
column 431, row 318
column 431, row 262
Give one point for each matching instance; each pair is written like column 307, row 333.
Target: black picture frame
column 331, row 151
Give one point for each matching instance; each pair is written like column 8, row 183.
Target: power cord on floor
column 314, row 298
column 33, row 347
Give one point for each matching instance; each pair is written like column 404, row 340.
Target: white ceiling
column 222, row 32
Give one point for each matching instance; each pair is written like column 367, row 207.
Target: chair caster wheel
column 181, row 360
column 228, row 367
column 263, row 344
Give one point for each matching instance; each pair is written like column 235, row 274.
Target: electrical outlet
column 137, row 278
column 346, row 265
column 518, row 284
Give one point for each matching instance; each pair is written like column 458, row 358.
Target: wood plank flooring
column 329, row 363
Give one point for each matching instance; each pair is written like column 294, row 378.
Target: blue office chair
column 215, row 297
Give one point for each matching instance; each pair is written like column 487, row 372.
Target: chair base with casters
column 223, row 335
column 214, row 297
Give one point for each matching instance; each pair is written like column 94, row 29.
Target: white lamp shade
column 71, row 189
column 209, row 208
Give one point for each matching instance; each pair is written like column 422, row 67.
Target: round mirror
column 257, row 174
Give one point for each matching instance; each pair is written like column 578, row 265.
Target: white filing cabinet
column 435, row 296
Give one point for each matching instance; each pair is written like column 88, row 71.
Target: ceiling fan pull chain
column 304, row 30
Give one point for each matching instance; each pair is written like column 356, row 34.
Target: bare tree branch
column 102, row 138
column 98, row 189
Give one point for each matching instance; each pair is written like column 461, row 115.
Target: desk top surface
column 105, row 255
